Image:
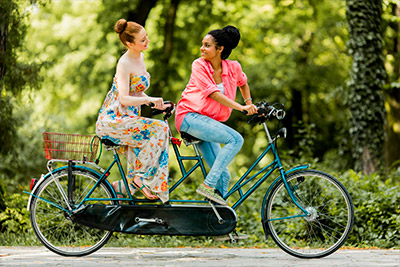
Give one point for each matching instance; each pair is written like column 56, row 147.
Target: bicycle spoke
column 329, row 220
column 54, row 227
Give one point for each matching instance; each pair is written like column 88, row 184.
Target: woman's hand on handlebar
column 250, row 109
column 156, row 103
column 168, row 109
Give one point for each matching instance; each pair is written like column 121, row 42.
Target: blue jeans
column 213, row 133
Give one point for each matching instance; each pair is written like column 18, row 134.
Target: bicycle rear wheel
column 331, row 214
column 54, row 227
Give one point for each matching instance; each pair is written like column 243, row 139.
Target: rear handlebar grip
column 165, row 103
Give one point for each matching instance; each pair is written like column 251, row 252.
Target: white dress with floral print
column 144, row 140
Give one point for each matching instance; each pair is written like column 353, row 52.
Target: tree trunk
column 392, row 94
column 162, row 70
column 141, row 11
column 295, row 119
column 169, row 31
column 3, row 44
column 367, row 77
column 7, row 126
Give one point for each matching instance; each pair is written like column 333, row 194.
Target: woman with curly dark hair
column 208, row 101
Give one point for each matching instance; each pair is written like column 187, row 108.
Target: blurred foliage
column 15, row 218
column 391, row 40
column 16, row 74
column 293, row 52
column 377, row 209
column 376, row 203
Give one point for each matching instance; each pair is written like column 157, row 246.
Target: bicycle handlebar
column 265, row 111
column 168, row 111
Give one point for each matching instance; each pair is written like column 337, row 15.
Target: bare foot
column 146, row 192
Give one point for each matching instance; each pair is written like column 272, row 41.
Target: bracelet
column 248, row 99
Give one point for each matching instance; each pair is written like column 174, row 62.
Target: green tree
column 15, row 75
column 286, row 47
column 367, row 78
column 391, row 18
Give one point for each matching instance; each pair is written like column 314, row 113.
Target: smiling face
column 141, row 41
column 209, row 49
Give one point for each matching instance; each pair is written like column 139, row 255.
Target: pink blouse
column 195, row 98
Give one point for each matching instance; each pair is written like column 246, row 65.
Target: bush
column 377, row 218
column 377, row 209
column 15, row 218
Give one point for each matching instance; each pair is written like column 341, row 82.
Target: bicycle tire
column 54, row 227
column 321, row 233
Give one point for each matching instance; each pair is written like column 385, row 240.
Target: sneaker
column 210, row 194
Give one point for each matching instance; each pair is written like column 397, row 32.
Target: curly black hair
column 228, row 37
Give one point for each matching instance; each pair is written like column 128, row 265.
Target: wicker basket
column 70, row 146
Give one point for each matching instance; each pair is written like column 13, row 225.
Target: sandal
column 119, row 193
column 146, row 195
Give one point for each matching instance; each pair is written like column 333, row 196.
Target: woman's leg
column 212, row 131
column 135, row 183
column 210, row 152
column 145, row 144
column 150, row 159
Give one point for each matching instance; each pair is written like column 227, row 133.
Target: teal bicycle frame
column 237, row 187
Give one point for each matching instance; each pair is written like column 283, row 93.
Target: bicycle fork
column 280, row 167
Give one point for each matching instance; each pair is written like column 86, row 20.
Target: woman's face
column 141, row 40
column 209, row 49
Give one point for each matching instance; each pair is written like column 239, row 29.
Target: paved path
column 39, row 256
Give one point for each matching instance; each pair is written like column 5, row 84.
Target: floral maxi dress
column 144, row 141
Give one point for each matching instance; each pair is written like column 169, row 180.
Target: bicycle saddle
column 190, row 139
column 108, row 142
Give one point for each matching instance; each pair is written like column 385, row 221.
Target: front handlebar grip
column 159, row 111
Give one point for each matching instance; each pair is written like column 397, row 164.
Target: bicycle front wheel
column 54, row 226
column 330, row 220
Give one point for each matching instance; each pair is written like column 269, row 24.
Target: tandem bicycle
column 74, row 210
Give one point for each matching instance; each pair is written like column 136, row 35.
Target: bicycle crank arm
column 220, row 220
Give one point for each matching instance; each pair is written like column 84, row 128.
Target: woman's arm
column 123, row 80
column 245, row 91
column 226, row 101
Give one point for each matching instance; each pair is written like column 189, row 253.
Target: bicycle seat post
column 196, row 149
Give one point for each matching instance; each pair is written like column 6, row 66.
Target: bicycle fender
column 49, row 174
column 39, row 182
column 297, row 168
